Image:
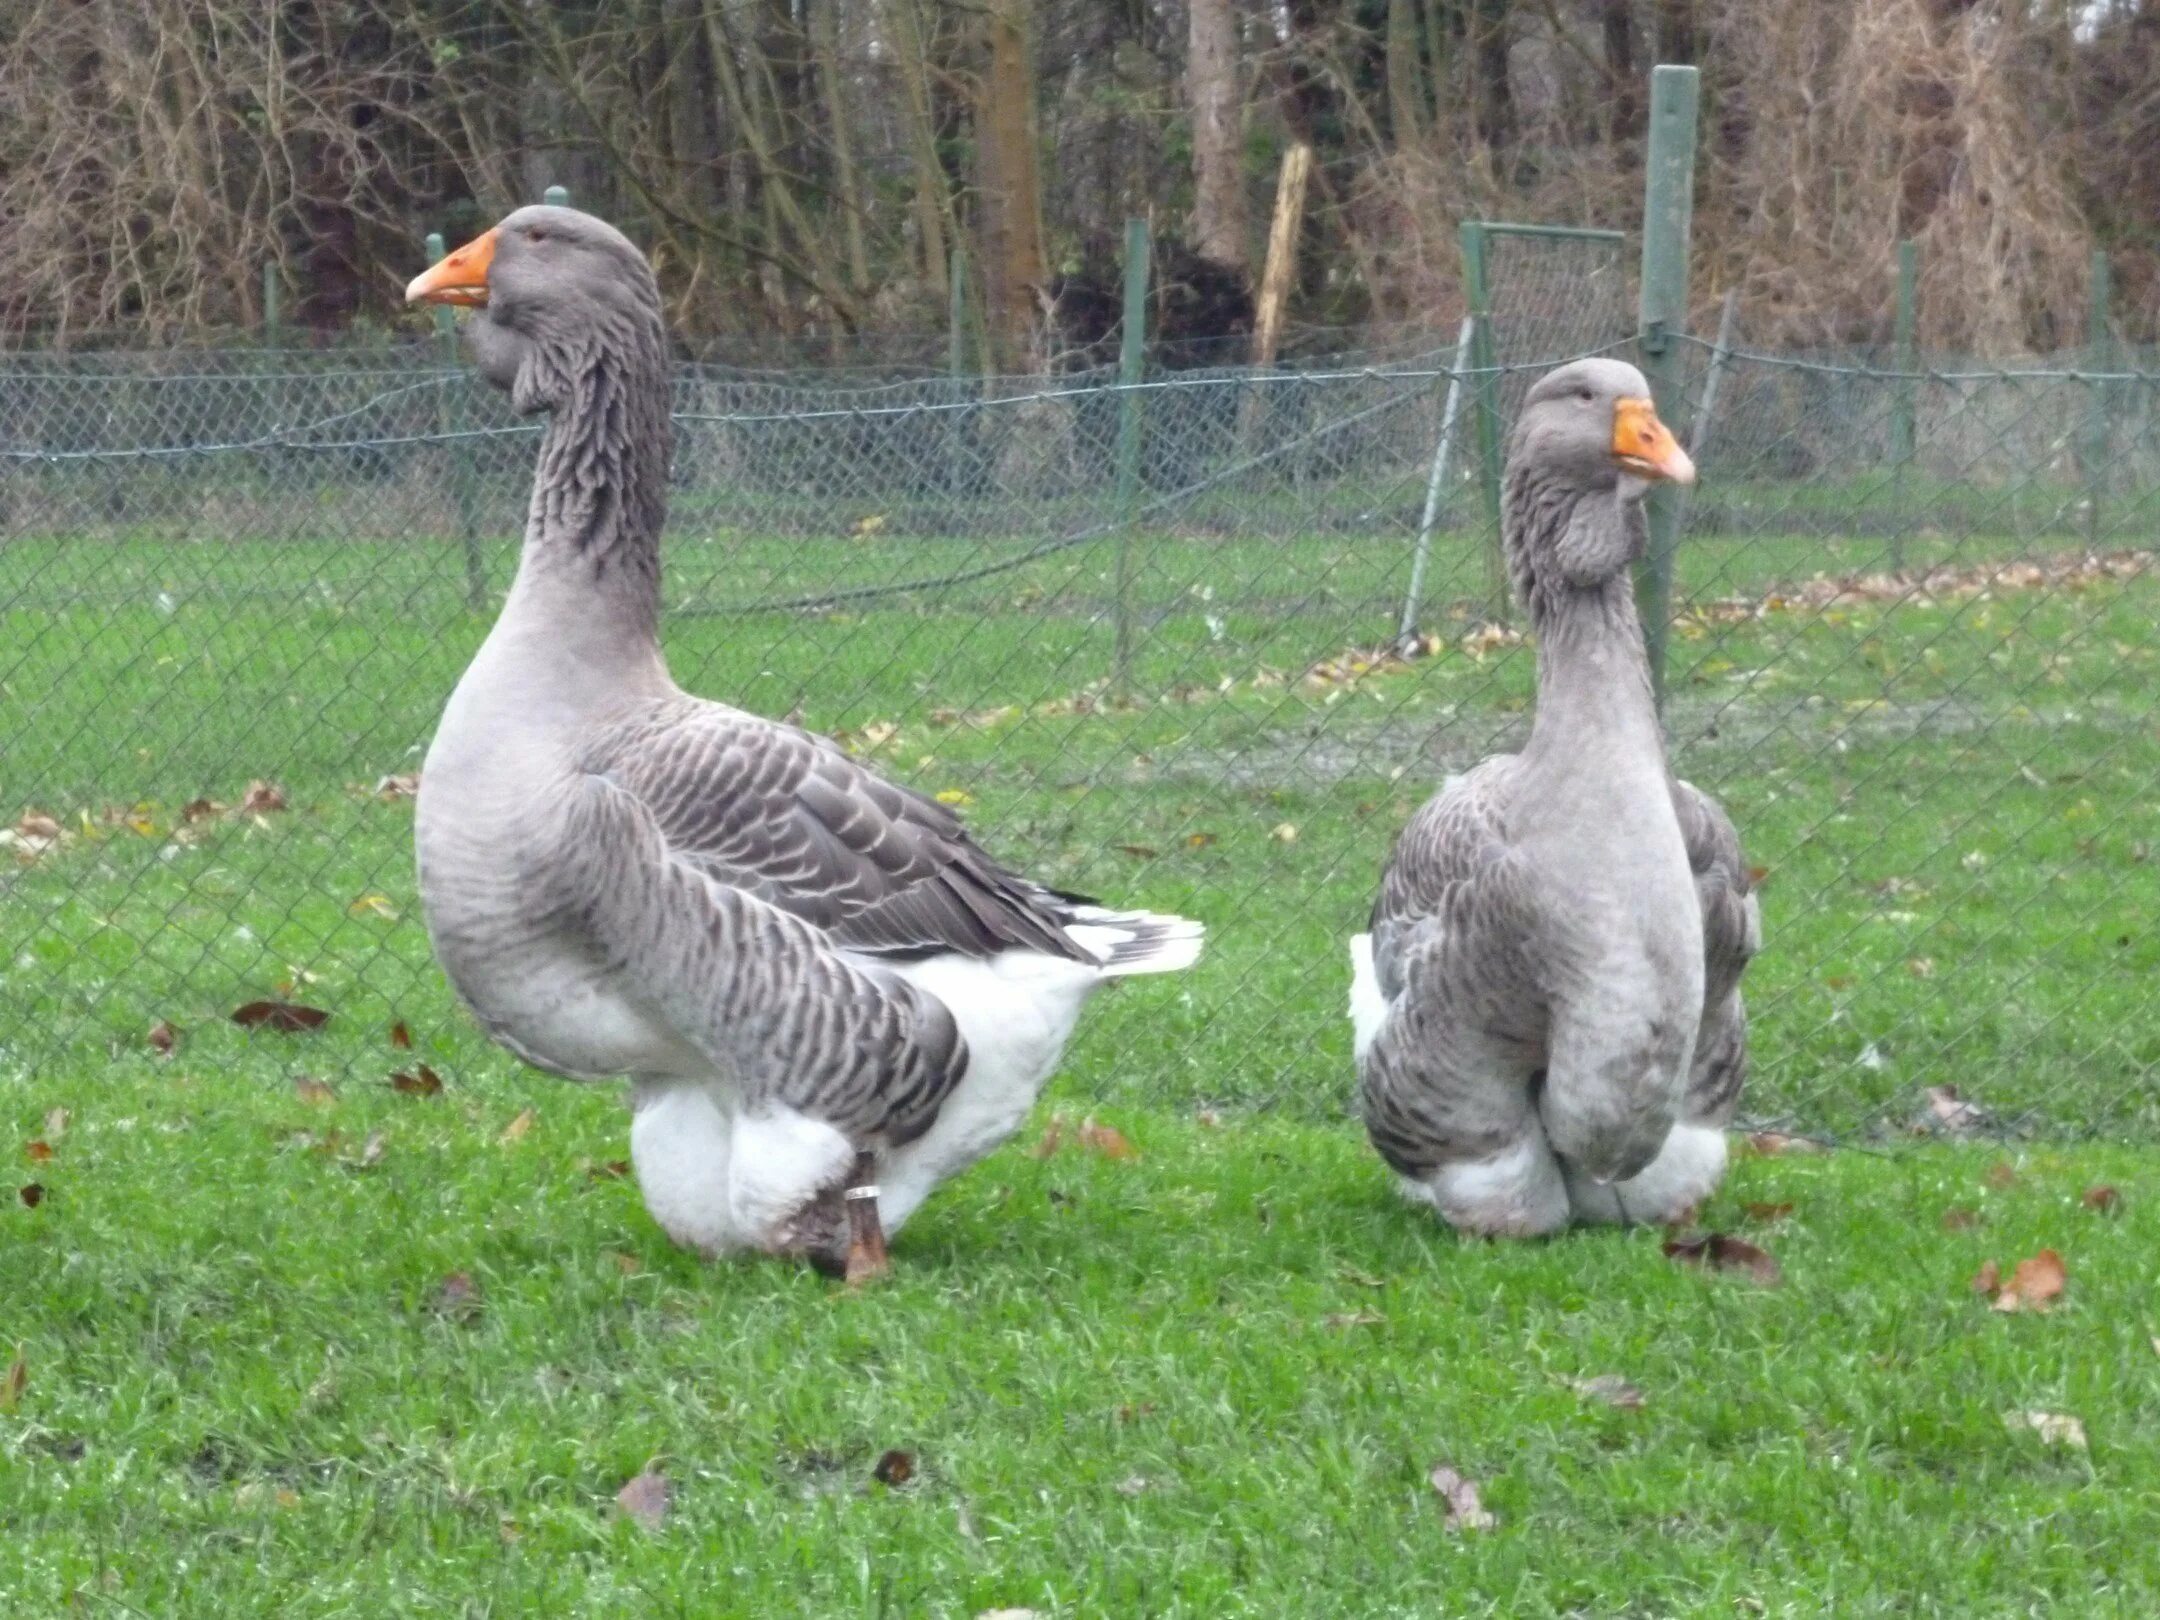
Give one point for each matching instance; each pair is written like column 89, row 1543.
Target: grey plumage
column 805, row 969
column 1550, row 980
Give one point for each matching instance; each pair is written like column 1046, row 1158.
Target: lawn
column 1212, row 1379
column 379, row 1355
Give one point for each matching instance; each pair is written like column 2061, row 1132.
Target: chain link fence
column 1912, row 652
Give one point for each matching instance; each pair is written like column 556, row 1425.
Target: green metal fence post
column 455, row 455
column 2100, row 357
column 1132, row 363
column 1903, row 409
column 556, row 196
column 1485, row 408
column 272, row 294
column 1668, row 212
column 956, row 314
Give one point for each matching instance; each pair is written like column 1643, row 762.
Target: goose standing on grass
column 1546, row 1010
column 826, row 997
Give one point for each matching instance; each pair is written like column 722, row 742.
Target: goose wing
column 786, row 817
column 1732, row 935
column 1450, row 880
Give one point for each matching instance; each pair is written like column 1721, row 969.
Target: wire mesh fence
column 1912, row 653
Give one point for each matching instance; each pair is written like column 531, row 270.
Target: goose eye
column 1582, row 394
column 536, row 234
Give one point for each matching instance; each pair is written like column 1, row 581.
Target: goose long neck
column 1595, row 699
column 590, row 565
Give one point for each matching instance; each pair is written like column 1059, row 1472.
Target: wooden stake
column 1282, row 240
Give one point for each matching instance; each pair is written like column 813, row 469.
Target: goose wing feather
column 1732, row 935
column 785, row 816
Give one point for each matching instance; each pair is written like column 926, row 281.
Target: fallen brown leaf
column 1107, row 1140
column 1721, row 1253
column 456, row 1295
column 1920, row 967
column 401, row 1037
column 1952, row 1112
column 162, row 1038
column 1460, row 1493
column 2000, row 1174
column 1345, row 1319
column 2104, row 1199
column 515, row 1131
column 402, row 786
column 315, row 1093
column 37, row 824
column 2053, row 1428
column 894, row 1468
column 1958, row 1218
column 32, row 1194
column 16, row 1381
column 37, row 1152
column 422, row 1082
column 2035, row 1284
column 1610, row 1388
column 200, row 810
column 1053, row 1138
column 1139, row 852
column 261, row 797
column 287, row 1017
column 628, row 1264
column 612, row 1170
column 645, row 1499
column 1772, row 1144
column 1987, row 1279
column 1766, row 1212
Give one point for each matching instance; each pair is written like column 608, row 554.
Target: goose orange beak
column 459, row 279
column 1644, row 445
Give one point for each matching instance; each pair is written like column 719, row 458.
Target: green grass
column 243, row 1397
column 1207, row 1381
column 1953, row 800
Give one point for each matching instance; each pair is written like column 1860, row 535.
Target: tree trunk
column 1408, row 109
column 1617, row 24
column 826, row 32
column 933, row 197
column 1211, row 88
column 1013, row 268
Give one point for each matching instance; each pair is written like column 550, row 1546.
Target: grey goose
column 1546, row 1007
column 825, row 996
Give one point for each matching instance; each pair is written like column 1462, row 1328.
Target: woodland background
column 803, row 171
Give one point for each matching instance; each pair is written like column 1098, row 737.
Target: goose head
column 554, row 291
column 1590, row 426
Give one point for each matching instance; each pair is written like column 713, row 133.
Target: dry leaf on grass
column 400, row 1036
column 516, row 1130
column 1766, row 1212
column 162, row 1038
column 2104, row 1199
column 287, row 1017
column 37, row 1152
column 456, row 1295
column 1345, row 1319
column 645, row 1499
column 1718, row 1252
column 2001, row 1174
column 1774, row 1144
column 32, row 1194
column 628, row 1264
column 2053, row 1428
column 1952, row 1113
column 1107, row 1140
column 612, row 1170
column 894, row 1468
column 1987, row 1279
column 1139, row 852
column 1610, row 1388
column 16, row 1381
column 421, row 1082
column 260, row 798
column 1464, row 1510
column 316, row 1093
column 2035, row 1284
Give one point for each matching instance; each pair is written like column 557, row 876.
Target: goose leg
column 866, row 1258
